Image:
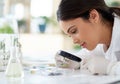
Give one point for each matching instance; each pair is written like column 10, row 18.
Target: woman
column 96, row 27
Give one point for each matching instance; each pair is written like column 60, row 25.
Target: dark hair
column 71, row 9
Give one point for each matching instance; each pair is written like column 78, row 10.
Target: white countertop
column 68, row 77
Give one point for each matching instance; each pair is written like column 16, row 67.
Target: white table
column 69, row 77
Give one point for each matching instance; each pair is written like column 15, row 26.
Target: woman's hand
column 95, row 64
column 63, row 62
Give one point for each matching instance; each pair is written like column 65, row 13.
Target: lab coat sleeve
column 113, row 68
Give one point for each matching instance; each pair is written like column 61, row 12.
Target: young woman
column 96, row 27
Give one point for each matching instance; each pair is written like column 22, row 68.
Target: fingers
column 61, row 62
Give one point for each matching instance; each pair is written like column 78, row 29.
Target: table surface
column 67, row 77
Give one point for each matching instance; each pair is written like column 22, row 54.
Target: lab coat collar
column 115, row 41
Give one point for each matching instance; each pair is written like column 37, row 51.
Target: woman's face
column 83, row 32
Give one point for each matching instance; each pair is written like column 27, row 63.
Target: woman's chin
column 90, row 48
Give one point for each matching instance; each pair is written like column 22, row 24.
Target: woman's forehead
column 65, row 25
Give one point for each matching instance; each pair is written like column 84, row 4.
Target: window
column 41, row 8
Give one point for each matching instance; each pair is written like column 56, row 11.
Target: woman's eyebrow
column 70, row 28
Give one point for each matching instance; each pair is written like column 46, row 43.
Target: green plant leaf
column 6, row 29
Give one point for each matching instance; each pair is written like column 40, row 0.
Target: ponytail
column 115, row 10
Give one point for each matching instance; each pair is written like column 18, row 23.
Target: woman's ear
column 94, row 16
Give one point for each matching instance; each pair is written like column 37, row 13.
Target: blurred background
column 35, row 22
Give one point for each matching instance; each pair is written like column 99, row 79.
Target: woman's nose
column 75, row 41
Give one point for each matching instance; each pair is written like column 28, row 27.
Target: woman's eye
column 73, row 31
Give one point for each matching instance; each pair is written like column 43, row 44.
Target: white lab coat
column 113, row 52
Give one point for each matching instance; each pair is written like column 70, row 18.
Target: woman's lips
column 83, row 45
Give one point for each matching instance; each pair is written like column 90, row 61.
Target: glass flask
column 14, row 68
